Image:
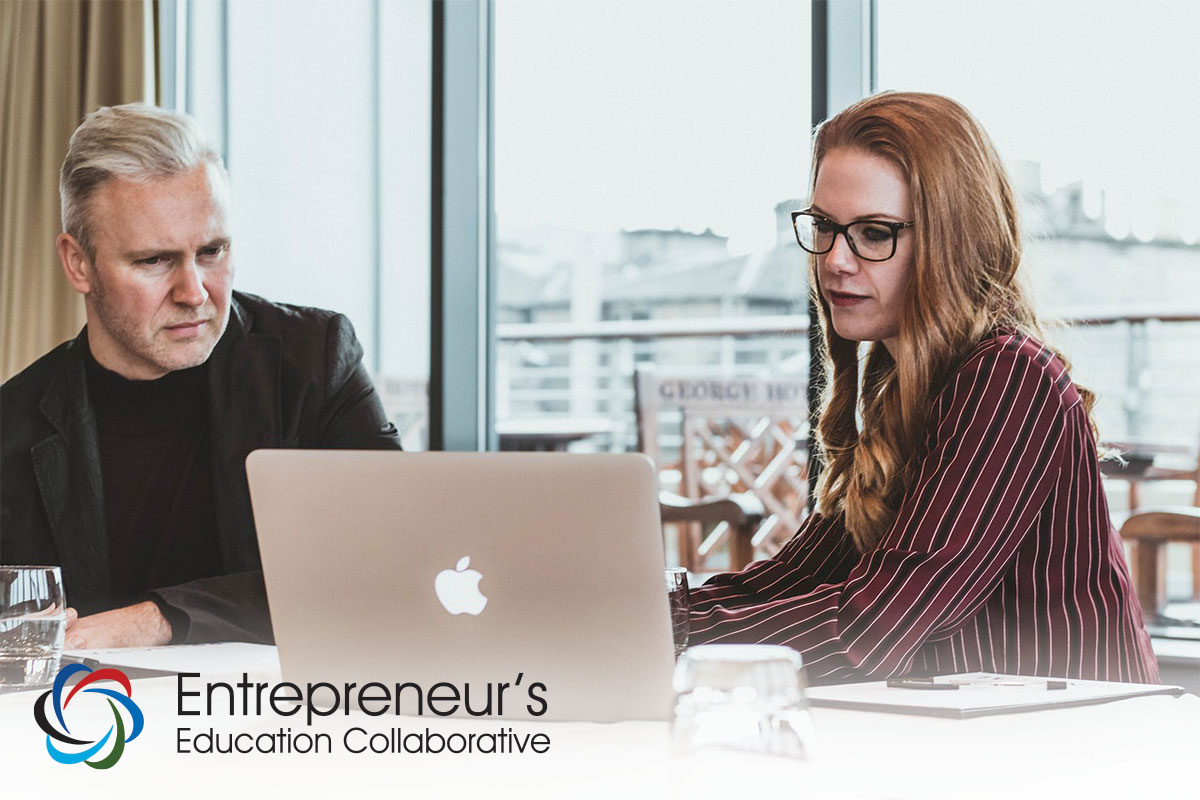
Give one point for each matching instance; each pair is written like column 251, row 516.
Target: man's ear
column 75, row 263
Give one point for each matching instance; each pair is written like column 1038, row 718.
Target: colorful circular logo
column 113, row 741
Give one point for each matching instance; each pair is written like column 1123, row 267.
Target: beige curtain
column 59, row 60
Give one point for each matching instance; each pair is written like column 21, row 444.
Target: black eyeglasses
column 870, row 239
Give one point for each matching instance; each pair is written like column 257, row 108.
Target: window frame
column 463, row 231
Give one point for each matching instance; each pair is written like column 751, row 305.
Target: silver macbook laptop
column 542, row 571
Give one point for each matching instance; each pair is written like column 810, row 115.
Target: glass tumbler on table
column 32, row 622
column 681, row 606
column 747, row 697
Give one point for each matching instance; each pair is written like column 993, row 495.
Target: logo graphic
column 116, row 737
column 458, row 589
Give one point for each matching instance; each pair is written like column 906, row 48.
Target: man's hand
column 140, row 625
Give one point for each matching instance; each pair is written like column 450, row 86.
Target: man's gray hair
column 136, row 142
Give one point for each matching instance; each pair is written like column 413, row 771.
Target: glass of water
column 681, row 606
column 742, row 697
column 32, row 620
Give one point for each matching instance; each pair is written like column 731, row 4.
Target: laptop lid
column 542, row 571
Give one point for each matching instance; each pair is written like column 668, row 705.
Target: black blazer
column 280, row 376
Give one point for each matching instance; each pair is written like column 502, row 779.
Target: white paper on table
column 220, row 658
column 979, row 694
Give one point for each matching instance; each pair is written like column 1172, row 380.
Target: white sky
column 695, row 113
column 654, row 113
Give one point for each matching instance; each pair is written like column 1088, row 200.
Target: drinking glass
column 32, row 621
column 681, row 606
column 741, row 697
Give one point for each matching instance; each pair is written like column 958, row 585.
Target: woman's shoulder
column 1015, row 357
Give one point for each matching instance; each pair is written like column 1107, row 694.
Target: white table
column 1145, row 747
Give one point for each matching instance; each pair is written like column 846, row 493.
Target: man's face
column 159, row 285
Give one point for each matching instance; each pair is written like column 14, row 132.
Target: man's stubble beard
column 128, row 335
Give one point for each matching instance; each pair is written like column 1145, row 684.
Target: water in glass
column 32, row 622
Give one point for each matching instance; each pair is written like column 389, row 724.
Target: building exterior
column 1147, row 373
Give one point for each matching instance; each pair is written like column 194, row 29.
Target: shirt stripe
column 1002, row 557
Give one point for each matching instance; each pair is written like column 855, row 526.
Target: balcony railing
column 1143, row 363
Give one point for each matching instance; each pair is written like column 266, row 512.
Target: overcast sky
column 695, row 113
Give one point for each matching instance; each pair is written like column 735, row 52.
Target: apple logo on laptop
column 458, row 589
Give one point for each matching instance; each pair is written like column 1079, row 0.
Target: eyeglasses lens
column 867, row 239
column 871, row 241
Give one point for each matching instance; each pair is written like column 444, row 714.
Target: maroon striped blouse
column 1002, row 557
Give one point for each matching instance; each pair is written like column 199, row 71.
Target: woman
column 961, row 524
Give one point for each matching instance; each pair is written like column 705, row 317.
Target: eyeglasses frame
column 844, row 230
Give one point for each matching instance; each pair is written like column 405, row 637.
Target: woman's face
column 864, row 297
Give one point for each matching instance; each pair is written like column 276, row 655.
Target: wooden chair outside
column 1140, row 468
column 734, row 452
column 1148, row 532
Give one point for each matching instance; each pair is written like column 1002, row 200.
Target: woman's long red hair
column 965, row 283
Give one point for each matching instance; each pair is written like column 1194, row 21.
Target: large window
column 1093, row 107
column 645, row 156
column 329, row 160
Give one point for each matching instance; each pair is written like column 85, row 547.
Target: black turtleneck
column 157, row 476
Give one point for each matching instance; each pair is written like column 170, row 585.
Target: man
column 123, row 450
